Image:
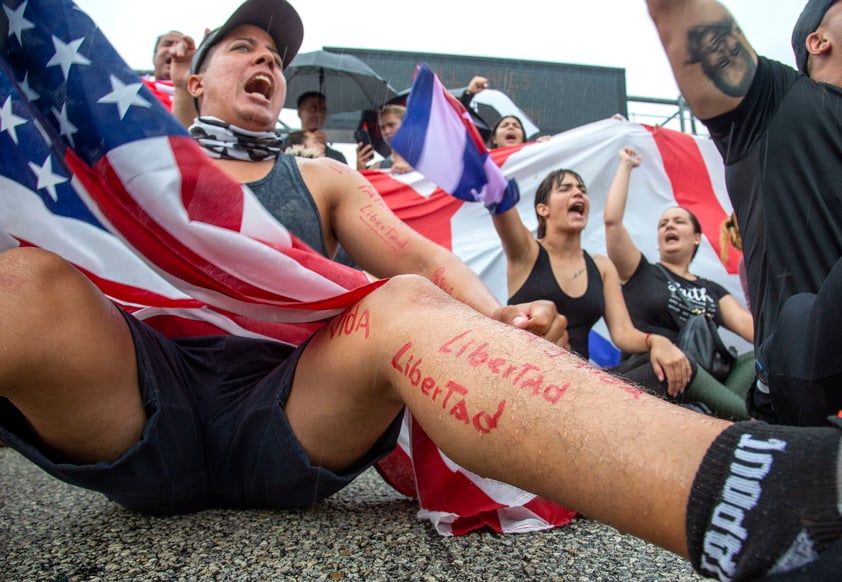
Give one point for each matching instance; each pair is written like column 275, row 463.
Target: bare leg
column 502, row 403
column 66, row 358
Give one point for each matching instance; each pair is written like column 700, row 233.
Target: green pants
column 725, row 399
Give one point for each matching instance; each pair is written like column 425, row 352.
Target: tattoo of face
column 721, row 51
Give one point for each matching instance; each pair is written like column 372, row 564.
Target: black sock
column 766, row 499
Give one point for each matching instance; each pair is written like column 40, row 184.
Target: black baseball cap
column 806, row 25
column 277, row 17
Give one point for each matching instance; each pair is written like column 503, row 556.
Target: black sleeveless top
column 283, row 193
column 581, row 312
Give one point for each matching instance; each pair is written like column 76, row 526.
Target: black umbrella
column 347, row 83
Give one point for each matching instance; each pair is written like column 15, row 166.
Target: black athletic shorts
column 216, row 434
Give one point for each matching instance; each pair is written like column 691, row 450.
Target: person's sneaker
column 827, row 567
column 759, row 403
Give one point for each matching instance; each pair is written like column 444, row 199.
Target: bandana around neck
column 226, row 141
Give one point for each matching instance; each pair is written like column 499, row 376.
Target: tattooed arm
column 712, row 61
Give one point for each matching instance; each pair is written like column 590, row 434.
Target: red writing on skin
column 608, row 378
column 559, row 353
column 350, row 322
column 635, row 392
column 372, row 217
column 372, row 193
column 452, row 397
column 524, row 375
column 441, row 281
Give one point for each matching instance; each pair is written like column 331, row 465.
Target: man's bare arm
column 379, row 242
column 183, row 106
column 383, row 245
column 711, row 59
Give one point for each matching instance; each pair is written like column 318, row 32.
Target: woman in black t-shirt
column 661, row 297
column 584, row 287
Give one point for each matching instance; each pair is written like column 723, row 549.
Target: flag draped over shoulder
column 438, row 138
column 94, row 169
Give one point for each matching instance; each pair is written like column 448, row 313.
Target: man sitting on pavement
column 99, row 399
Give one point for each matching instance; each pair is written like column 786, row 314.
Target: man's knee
column 37, row 283
column 410, row 293
column 26, row 264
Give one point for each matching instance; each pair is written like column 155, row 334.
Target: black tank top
column 581, row 312
column 283, row 193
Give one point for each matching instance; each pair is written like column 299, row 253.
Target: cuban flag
column 438, row 138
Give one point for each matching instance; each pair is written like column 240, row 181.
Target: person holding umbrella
column 312, row 111
column 330, row 82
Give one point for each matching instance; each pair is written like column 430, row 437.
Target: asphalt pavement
column 50, row 531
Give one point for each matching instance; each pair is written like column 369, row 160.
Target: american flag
column 95, row 169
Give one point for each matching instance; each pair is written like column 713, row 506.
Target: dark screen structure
column 556, row 96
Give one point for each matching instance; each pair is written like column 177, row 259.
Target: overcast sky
column 613, row 33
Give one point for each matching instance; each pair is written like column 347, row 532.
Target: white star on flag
column 67, row 55
column 17, row 23
column 9, row 121
column 47, row 180
column 67, row 128
column 28, row 91
column 124, row 96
